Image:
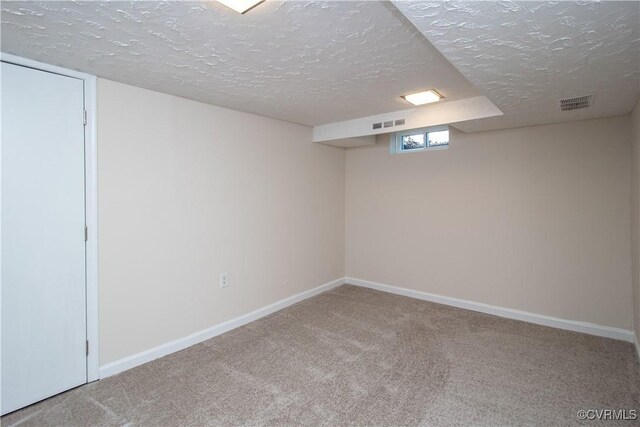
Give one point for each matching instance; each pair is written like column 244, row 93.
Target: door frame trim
column 91, row 201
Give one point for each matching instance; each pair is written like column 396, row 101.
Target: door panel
column 43, row 246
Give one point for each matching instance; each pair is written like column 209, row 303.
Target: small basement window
column 433, row 138
column 438, row 139
column 413, row 142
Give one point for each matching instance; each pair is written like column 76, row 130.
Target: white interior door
column 43, row 243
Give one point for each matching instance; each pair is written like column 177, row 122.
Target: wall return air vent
column 576, row 103
column 388, row 124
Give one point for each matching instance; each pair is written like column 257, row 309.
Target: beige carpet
column 354, row 356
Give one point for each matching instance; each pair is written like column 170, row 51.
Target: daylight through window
column 420, row 139
column 413, row 142
column 435, row 139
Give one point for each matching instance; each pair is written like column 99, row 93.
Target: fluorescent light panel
column 421, row 98
column 240, row 6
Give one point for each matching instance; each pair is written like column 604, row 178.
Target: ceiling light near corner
column 240, row 6
column 421, row 98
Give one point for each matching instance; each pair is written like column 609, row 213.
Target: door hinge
column 86, row 233
column 84, row 118
column 87, row 347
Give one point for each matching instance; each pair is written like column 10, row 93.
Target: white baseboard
column 637, row 343
column 195, row 338
column 538, row 319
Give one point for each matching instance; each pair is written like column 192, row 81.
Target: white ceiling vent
column 576, row 103
column 388, row 124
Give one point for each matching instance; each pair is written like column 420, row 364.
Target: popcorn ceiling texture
column 526, row 56
column 320, row 62
column 302, row 61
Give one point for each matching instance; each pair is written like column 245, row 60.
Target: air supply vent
column 388, row 124
column 576, row 103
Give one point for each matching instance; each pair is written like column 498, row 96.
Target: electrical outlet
column 224, row 280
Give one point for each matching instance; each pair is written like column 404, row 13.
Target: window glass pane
column 435, row 139
column 413, row 142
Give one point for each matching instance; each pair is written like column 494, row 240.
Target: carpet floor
column 354, row 356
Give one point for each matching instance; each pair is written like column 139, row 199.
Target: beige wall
column 635, row 213
column 188, row 190
column 535, row 219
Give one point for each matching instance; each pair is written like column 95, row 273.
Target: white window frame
column 395, row 143
column 91, row 201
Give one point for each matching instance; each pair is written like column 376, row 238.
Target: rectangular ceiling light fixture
column 421, row 98
column 241, row 6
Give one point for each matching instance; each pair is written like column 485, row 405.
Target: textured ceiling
column 305, row 62
column 322, row 62
column 526, row 56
